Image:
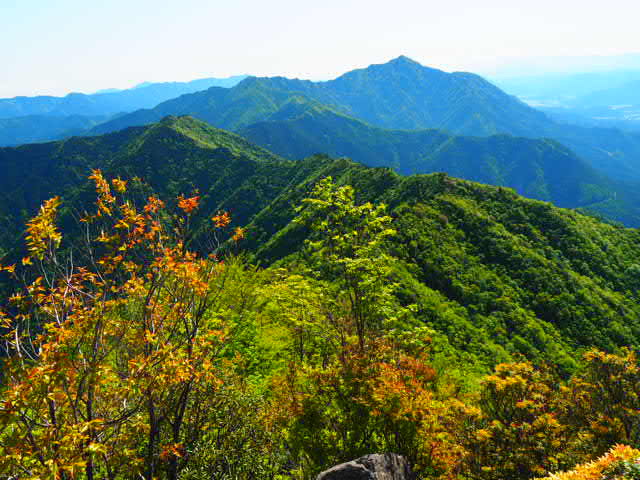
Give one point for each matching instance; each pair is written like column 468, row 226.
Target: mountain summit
column 400, row 94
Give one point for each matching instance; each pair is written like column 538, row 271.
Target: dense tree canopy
column 128, row 354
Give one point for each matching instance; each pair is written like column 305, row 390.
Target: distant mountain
column 626, row 94
column 42, row 128
column 401, row 94
column 625, row 117
column 107, row 103
column 602, row 99
column 563, row 87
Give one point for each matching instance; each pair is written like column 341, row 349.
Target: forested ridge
column 188, row 305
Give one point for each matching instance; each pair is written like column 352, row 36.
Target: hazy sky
column 57, row 46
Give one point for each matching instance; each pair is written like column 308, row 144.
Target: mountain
column 107, row 103
column 402, row 94
column 494, row 274
column 624, row 117
column 541, row 169
column 612, row 106
column 626, row 94
column 600, row 99
column 42, row 128
column 558, row 87
column 175, row 156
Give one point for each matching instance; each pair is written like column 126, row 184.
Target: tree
column 125, row 353
column 347, row 250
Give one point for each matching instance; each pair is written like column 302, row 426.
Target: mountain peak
column 403, row 59
column 404, row 63
column 183, row 123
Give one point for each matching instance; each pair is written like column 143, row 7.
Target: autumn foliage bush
column 112, row 363
column 619, row 463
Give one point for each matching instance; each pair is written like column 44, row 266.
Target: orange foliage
column 603, row 401
column 518, row 434
column 221, row 220
column 378, row 399
column 238, row 234
column 188, row 205
column 595, row 470
column 125, row 349
column 42, row 233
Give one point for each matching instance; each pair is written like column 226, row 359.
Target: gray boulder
column 388, row 466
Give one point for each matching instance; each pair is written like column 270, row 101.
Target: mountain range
column 46, row 118
column 414, row 119
column 108, row 102
column 400, row 94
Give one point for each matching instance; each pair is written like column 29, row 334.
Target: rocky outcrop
column 388, row 466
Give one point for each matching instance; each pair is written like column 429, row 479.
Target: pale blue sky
column 57, row 46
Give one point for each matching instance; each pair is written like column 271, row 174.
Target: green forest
column 182, row 304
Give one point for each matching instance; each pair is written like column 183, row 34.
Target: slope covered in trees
column 176, row 154
column 137, row 356
column 540, row 169
column 495, row 274
column 498, row 273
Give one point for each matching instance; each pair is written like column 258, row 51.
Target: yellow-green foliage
column 604, row 468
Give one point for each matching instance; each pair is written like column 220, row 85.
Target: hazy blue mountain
column 556, row 87
column 42, row 128
column 623, row 117
column 607, row 100
column 107, row 103
column 626, row 94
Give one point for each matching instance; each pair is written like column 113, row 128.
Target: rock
column 371, row 467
